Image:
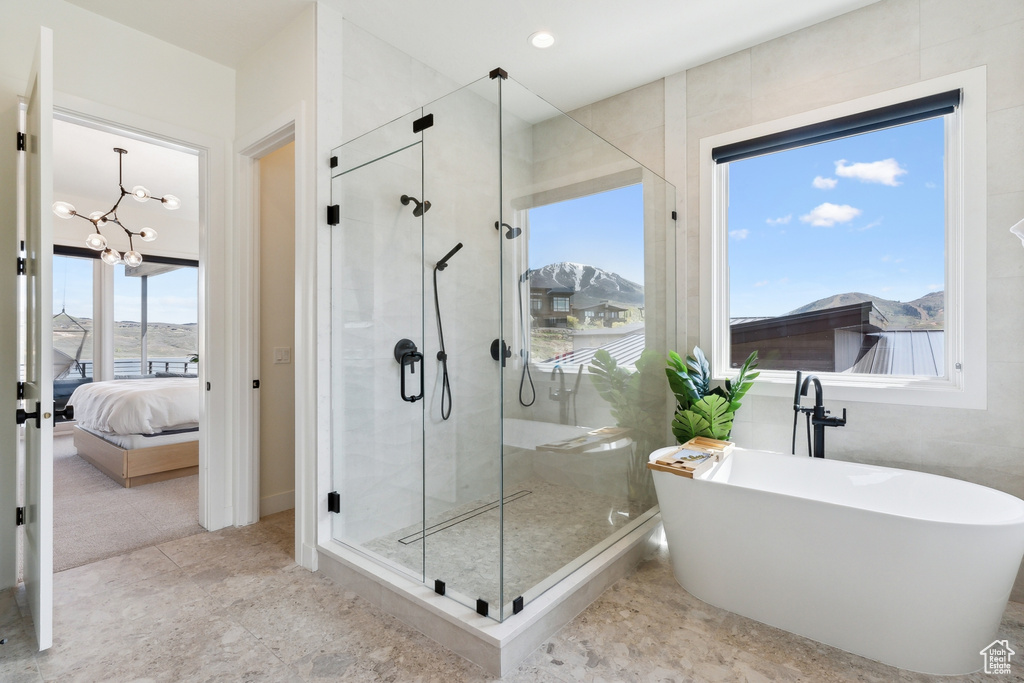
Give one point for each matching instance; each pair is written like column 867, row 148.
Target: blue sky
column 605, row 230
column 172, row 296
column 860, row 214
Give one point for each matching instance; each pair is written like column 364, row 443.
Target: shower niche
column 487, row 246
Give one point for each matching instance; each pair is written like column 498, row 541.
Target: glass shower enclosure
column 500, row 310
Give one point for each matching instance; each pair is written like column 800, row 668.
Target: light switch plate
column 282, row 354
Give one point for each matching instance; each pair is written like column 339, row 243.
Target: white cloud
column 739, row 234
column 888, row 258
column 824, row 183
column 872, row 224
column 936, row 287
column 930, row 185
column 779, row 221
column 762, row 283
column 828, row 214
column 884, row 172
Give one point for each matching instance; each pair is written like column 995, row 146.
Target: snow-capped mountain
column 591, row 284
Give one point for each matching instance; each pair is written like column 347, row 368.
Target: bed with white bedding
column 139, row 431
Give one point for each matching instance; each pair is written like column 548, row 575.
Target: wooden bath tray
column 693, row 458
column 585, row 441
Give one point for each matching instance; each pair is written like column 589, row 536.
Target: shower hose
column 446, row 387
column 525, row 350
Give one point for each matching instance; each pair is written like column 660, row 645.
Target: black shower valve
column 505, row 352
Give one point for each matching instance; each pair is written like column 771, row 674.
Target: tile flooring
column 547, row 526
column 232, row 606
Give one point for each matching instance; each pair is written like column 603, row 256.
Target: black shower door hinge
column 422, row 123
column 333, row 214
column 334, row 162
column 21, row 391
column 19, row 516
column 675, row 216
column 21, row 265
column 21, row 141
column 334, row 502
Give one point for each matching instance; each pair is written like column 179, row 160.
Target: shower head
column 512, row 232
column 421, row 207
column 443, row 263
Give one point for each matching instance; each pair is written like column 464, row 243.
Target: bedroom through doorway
column 126, row 344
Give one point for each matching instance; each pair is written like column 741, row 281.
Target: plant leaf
column 687, row 424
column 714, row 409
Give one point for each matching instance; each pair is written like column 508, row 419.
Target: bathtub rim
column 707, row 477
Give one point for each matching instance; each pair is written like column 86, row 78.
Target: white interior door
column 38, row 347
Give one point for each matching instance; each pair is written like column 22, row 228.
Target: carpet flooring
column 95, row 518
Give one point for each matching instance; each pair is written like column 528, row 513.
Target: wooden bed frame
column 140, row 465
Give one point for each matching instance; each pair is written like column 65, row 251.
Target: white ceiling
column 85, row 167
column 602, row 47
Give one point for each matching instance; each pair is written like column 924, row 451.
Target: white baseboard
column 279, row 502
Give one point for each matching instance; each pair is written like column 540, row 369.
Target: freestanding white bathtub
column 910, row 569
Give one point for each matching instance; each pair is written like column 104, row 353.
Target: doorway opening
column 123, row 333
column 275, row 287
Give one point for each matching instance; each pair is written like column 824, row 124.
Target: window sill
column 930, row 392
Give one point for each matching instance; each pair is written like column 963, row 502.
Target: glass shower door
column 377, row 344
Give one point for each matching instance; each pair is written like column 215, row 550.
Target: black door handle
column 407, row 354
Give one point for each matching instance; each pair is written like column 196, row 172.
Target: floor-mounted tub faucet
column 563, row 395
column 817, row 416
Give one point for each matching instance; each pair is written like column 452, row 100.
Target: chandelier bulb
column 171, row 202
column 147, row 234
column 96, row 241
column 98, row 218
column 132, row 258
column 111, row 257
column 64, row 209
column 140, row 193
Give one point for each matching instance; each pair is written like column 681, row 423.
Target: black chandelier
column 99, row 219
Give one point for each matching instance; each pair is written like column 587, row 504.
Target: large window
column 587, row 254
column 837, row 243
column 837, row 254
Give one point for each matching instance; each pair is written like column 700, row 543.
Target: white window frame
column 965, row 382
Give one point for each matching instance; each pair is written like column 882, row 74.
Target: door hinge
column 255, row 384
column 334, row 162
column 422, row 123
column 21, row 391
column 334, row 502
column 19, row 516
column 333, row 214
column 21, row 141
column 21, row 265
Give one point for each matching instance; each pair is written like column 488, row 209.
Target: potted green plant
column 637, row 401
column 700, row 409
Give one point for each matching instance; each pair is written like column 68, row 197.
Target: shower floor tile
column 547, row 526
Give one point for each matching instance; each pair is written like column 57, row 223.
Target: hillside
column 165, row 340
column 591, row 284
column 927, row 312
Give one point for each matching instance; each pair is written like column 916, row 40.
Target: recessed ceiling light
column 542, row 39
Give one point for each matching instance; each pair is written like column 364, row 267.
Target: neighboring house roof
column 625, row 350
column 903, row 352
column 862, row 315
column 604, row 306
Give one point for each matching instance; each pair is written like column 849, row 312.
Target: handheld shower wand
column 443, row 263
column 446, row 387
